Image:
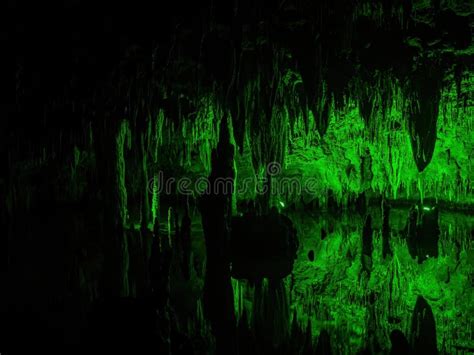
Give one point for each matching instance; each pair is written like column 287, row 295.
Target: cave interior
column 239, row 177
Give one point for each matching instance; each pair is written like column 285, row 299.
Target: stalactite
column 155, row 199
column 146, row 212
column 123, row 140
column 423, row 114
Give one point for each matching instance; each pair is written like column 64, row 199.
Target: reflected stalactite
column 423, row 328
column 216, row 211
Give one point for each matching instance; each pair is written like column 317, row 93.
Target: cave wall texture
column 370, row 100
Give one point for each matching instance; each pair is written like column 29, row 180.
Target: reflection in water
column 371, row 282
column 423, row 232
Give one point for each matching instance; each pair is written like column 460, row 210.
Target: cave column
column 216, row 212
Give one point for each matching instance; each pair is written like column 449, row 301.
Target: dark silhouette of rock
column 423, row 232
column 332, row 204
column 423, row 113
column 216, row 213
column 323, row 347
column 186, row 242
column 246, row 341
column 263, row 246
column 361, row 204
column 308, row 347
column 367, row 245
column 423, row 329
column 160, row 264
column 323, row 234
column 386, row 249
column 399, row 343
column 271, row 313
column 411, row 229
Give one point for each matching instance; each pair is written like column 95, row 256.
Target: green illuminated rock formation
column 228, row 177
